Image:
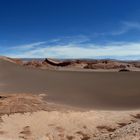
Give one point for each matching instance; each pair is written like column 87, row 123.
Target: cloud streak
column 28, row 46
column 120, row 50
column 124, row 28
column 80, row 47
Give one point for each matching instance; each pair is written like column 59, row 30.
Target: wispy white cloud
column 118, row 50
column 132, row 25
column 125, row 26
column 70, row 39
column 27, row 46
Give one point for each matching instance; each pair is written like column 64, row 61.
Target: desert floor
column 91, row 90
column 62, row 105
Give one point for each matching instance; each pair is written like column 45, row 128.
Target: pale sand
column 43, row 125
column 29, row 117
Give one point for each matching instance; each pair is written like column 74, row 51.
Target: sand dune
column 81, row 89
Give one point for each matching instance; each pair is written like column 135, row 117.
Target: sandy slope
column 81, row 89
column 29, row 117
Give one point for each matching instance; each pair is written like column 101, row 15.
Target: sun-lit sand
column 30, row 118
column 55, row 125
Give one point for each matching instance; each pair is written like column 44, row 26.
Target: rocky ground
column 95, row 65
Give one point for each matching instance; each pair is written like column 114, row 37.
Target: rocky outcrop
column 124, row 70
column 48, row 63
column 35, row 64
column 21, row 103
column 104, row 64
column 56, row 63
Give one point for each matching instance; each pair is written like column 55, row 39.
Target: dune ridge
column 90, row 90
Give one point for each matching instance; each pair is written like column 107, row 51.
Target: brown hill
column 84, row 64
column 56, row 64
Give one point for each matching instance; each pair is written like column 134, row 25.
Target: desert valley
column 69, row 99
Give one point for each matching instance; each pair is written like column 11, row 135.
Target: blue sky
column 70, row 29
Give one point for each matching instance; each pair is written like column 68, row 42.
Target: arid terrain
column 29, row 117
column 69, row 100
column 83, row 65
